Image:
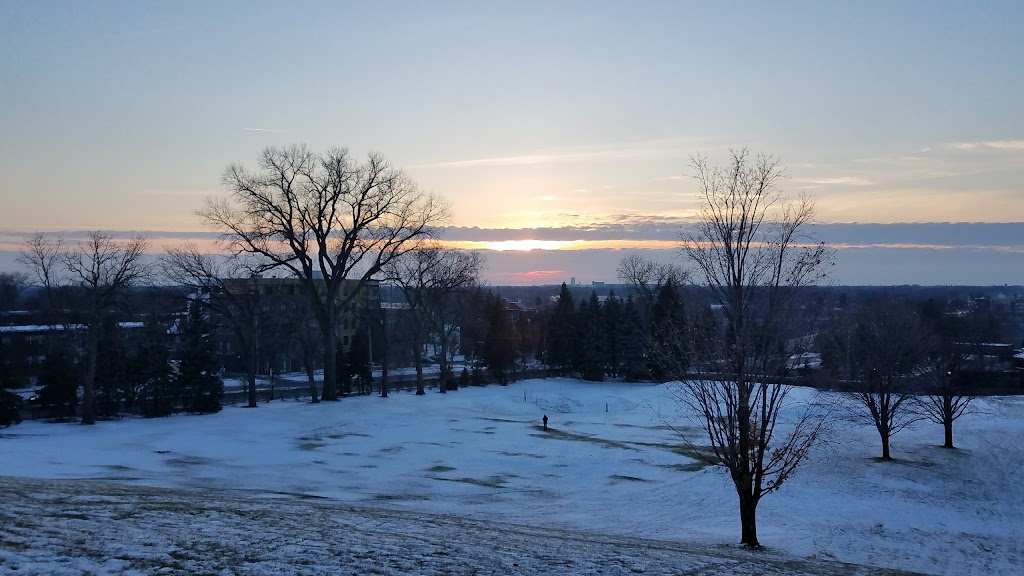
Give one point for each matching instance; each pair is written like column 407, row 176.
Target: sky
column 547, row 121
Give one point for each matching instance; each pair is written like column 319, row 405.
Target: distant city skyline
column 566, row 127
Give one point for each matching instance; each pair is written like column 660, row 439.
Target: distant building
column 284, row 303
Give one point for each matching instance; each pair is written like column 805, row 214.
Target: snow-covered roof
column 59, row 327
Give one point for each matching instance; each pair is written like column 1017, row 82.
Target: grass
column 500, row 420
column 703, row 456
column 440, row 469
column 348, row 435
column 627, row 478
column 496, row 481
column 185, row 461
column 399, row 497
column 556, row 434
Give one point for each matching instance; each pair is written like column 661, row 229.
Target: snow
column 609, row 468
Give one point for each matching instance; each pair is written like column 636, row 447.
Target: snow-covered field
column 431, row 475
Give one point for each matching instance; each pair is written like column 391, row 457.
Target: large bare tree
column 324, row 219
column 749, row 251
column 97, row 274
column 435, row 282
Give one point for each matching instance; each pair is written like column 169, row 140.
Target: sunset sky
column 569, row 122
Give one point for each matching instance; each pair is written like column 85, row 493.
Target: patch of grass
column 556, row 434
column 627, row 478
column 117, row 467
column 537, row 456
column 496, row 481
column 440, row 469
column 347, row 435
column 183, row 461
column 695, row 466
column 392, row 450
column 702, row 453
column 399, row 497
column 308, row 446
column 500, row 420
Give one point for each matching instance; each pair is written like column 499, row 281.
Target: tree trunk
column 88, row 396
column 312, row 387
column 947, row 420
column 885, row 447
column 419, row 374
column 251, row 378
column 251, row 368
column 748, row 521
column 384, row 377
column 442, row 381
column 330, row 391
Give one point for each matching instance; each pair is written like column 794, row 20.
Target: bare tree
column 323, row 218
column 99, row 271
column 943, row 400
column 435, row 281
column 882, row 353
column 42, row 255
column 647, row 277
column 946, row 396
column 225, row 288
column 749, row 251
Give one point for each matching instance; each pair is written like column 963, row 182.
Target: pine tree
column 110, row 370
column 197, row 379
column 668, row 334
column 560, row 333
column 613, row 335
column 150, row 385
column 501, row 343
column 633, row 349
column 589, row 342
column 10, row 403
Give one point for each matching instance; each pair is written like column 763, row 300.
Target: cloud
column 654, row 148
column 547, row 198
column 999, row 145
column 261, row 130
column 837, row 181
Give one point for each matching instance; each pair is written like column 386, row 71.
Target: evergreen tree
column 197, row 379
column 10, row 403
column 560, row 333
column 633, row 350
column 613, row 335
column 150, row 384
column 59, row 380
column 668, row 334
column 589, row 342
column 110, row 369
column 501, row 343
